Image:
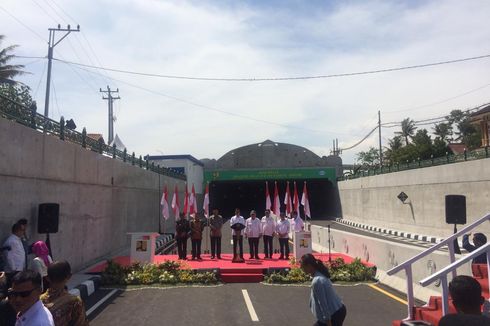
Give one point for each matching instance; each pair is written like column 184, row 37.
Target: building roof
column 485, row 109
column 96, row 137
column 118, row 142
column 457, row 148
column 174, row 157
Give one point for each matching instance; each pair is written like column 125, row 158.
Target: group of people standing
column 35, row 293
column 252, row 228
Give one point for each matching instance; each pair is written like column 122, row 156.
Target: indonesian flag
column 175, row 202
column 267, row 196
column 287, row 200
column 186, row 201
column 305, row 202
column 164, row 203
column 277, row 201
column 296, row 199
column 192, row 201
column 206, row 201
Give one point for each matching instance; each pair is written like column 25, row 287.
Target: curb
column 86, row 288
column 419, row 237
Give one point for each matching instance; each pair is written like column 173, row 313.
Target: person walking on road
column 268, row 231
column 182, row 229
column 215, row 224
column 282, row 230
column 196, row 236
column 253, row 231
column 237, row 224
column 325, row 304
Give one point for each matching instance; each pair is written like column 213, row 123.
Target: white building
column 188, row 164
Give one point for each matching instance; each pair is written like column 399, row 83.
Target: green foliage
column 370, row 157
column 7, row 70
column 18, row 93
column 407, row 129
column 339, row 271
column 169, row 272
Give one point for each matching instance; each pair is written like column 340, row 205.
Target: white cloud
column 208, row 38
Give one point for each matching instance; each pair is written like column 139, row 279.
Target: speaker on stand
column 456, row 214
column 48, row 221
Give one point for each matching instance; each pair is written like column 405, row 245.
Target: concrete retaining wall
column 373, row 200
column 101, row 199
column 386, row 255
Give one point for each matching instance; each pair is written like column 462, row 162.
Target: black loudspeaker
column 455, row 209
column 48, row 218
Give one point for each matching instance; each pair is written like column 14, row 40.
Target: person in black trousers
column 237, row 224
column 282, row 230
column 215, row 223
column 182, row 229
column 253, row 232
column 196, row 236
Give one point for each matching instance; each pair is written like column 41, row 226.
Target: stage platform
column 225, row 263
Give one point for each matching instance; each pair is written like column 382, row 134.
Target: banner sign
column 270, row 174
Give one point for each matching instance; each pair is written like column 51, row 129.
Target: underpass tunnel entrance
column 250, row 194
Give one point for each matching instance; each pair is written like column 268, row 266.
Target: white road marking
column 100, row 302
column 250, row 307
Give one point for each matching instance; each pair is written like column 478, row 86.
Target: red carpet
column 249, row 271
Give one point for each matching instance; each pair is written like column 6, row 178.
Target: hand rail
column 442, row 274
column 407, row 265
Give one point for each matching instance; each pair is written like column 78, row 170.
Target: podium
column 301, row 244
column 143, row 245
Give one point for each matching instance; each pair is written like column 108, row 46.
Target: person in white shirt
column 297, row 222
column 24, row 298
column 282, row 230
column 236, row 234
column 268, row 231
column 253, row 231
column 15, row 252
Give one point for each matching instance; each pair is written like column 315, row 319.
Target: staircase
column 242, row 275
column 432, row 311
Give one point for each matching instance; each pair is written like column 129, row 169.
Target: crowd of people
column 252, row 228
column 34, row 292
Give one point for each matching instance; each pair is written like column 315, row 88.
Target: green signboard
column 270, row 174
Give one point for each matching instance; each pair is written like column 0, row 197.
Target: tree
column 407, row 129
column 423, row 144
column 369, row 157
column 444, row 131
column 394, row 145
column 8, row 71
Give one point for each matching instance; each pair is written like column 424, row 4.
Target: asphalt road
column 225, row 305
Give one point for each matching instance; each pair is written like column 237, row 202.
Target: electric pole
column 380, row 147
column 51, row 44
column 110, row 108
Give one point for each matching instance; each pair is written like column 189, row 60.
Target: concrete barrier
column 386, row 255
column 101, row 199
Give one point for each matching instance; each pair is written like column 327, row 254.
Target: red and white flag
column 175, row 203
column 186, row 201
column 206, row 201
column 305, row 201
column 287, row 201
column 277, row 202
column 296, row 199
column 267, row 196
column 164, row 203
column 192, row 201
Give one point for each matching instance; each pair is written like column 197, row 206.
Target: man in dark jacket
column 182, row 230
column 479, row 239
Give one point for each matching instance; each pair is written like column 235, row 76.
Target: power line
column 40, row 79
column 20, row 22
column 279, row 78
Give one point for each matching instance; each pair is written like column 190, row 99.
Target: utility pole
column 110, row 107
column 380, row 147
column 51, row 44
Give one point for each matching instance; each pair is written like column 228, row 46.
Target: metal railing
column 476, row 154
column 28, row 117
column 442, row 274
column 407, row 265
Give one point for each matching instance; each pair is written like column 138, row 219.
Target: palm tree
column 7, row 71
column 408, row 129
column 443, row 130
column 394, row 145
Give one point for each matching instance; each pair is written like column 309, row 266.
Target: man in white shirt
column 253, row 231
column 24, row 298
column 297, row 222
column 237, row 234
column 282, row 230
column 15, row 253
column 268, row 231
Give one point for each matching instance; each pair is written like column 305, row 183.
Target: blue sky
column 254, row 39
